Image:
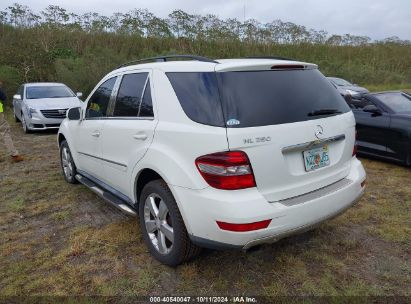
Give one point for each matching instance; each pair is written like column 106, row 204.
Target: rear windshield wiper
column 324, row 112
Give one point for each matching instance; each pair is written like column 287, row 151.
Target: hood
column 53, row 103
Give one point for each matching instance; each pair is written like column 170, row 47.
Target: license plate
column 316, row 158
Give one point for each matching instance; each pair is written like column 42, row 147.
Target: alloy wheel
column 158, row 223
column 67, row 163
column 23, row 123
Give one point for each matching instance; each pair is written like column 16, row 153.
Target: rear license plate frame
column 316, row 158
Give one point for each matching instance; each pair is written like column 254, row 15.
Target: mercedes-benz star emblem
column 319, row 132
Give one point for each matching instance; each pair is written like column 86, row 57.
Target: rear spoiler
column 264, row 65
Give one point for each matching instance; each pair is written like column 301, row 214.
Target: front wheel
column 67, row 163
column 163, row 227
column 16, row 119
column 24, row 124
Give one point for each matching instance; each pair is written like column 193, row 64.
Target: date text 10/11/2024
column 203, row 299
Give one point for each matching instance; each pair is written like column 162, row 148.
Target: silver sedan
column 43, row 105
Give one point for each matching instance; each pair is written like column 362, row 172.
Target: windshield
column 397, row 102
column 340, row 82
column 48, row 92
column 256, row 98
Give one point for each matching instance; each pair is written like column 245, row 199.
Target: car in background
column 384, row 125
column 43, row 105
column 345, row 87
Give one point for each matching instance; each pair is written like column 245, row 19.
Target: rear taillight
column 354, row 151
column 226, row 170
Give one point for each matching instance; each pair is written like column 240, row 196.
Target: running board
column 107, row 196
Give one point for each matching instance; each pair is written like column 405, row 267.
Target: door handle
column 95, row 134
column 140, row 136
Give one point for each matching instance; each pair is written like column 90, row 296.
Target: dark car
column 345, row 87
column 384, row 125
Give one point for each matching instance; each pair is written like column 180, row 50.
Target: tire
column 67, row 163
column 15, row 117
column 170, row 252
column 24, row 125
column 408, row 160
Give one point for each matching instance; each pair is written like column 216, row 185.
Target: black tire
column 408, row 160
column 68, row 166
column 15, row 117
column 24, row 125
column 182, row 248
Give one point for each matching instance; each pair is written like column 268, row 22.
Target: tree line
column 57, row 45
column 179, row 24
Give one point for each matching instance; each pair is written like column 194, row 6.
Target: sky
column 377, row 19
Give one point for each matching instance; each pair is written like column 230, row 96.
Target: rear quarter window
column 198, row 96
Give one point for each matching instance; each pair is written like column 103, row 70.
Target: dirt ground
column 60, row 239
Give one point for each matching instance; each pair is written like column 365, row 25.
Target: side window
column 199, row 96
column 98, row 102
column 129, row 95
column 146, row 108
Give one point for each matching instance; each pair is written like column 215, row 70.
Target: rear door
column 129, row 130
column 296, row 129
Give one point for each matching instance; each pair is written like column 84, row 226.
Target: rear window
column 256, row 98
column 260, row 98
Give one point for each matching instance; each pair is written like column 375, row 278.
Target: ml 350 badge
column 316, row 158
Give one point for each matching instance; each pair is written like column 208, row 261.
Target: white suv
column 215, row 153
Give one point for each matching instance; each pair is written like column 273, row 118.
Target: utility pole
column 244, row 13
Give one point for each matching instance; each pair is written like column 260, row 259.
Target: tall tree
column 55, row 15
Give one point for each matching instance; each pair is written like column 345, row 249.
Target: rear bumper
column 202, row 208
column 306, row 227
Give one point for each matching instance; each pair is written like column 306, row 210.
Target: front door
column 89, row 132
column 129, row 130
column 372, row 129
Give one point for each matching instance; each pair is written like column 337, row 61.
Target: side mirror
column 372, row 109
column 74, row 114
column 17, row 96
column 79, row 94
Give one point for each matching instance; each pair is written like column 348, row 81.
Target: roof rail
column 164, row 58
column 270, row 57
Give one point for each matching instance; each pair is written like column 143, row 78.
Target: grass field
column 388, row 87
column 60, row 239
